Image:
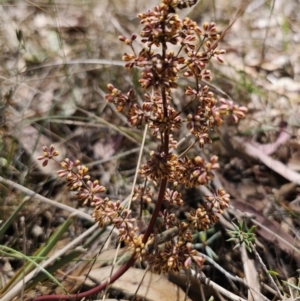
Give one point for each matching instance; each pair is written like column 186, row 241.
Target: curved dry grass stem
column 230, row 276
column 216, row 287
column 275, row 286
column 46, row 200
column 128, row 205
column 110, row 125
column 112, row 269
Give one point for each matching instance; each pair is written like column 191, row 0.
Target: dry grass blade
column 276, row 165
column 46, row 200
column 251, row 276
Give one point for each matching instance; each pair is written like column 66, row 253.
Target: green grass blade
column 40, row 253
column 11, row 219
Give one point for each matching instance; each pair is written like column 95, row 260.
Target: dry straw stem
column 76, row 62
column 266, row 271
column 129, row 200
column 216, row 287
column 276, row 165
column 46, row 200
column 109, row 124
column 251, row 275
column 236, row 278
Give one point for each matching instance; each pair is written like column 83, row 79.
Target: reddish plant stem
column 122, row 269
column 92, row 291
column 160, row 198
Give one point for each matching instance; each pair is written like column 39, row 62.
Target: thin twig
column 46, row 200
column 228, row 275
column 254, row 221
column 217, row 287
column 266, row 271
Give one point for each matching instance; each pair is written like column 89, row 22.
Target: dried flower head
column 48, row 153
column 142, row 194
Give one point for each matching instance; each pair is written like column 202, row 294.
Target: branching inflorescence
column 173, row 48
